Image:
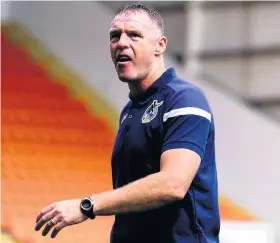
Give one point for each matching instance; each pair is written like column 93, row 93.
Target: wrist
column 95, row 200
column 87, row 207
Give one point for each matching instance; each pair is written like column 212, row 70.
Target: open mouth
column 123, row 59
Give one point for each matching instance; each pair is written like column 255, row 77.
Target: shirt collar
column 164, row 79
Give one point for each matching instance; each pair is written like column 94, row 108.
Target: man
column 163, row 161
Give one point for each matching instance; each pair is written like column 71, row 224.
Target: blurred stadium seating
column 46, row 136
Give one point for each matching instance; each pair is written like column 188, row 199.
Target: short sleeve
column 187, row 121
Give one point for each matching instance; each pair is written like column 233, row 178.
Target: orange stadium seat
column 51, row 149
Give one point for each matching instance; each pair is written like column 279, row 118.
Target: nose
column 123, row 41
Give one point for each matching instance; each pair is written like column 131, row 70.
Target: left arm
column 178, row 168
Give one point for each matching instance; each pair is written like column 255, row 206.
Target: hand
column 59, row 215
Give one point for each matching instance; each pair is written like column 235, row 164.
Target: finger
column 51, row 224
column 57, row 228
column 43, row 212
column 44, row 219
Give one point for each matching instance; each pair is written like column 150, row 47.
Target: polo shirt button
column 130, row 116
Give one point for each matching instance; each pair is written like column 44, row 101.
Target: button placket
column 128, row 122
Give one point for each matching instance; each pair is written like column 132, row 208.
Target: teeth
column 123, row 58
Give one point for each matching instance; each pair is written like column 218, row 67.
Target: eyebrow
column 114, row 32
column 118, row 31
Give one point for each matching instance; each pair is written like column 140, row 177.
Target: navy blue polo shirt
column 172, row 113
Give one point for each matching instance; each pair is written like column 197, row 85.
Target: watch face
column 86, row 204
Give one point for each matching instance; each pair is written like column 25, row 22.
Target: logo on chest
column 151, row 112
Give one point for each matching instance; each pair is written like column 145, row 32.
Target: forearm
column 147, row 193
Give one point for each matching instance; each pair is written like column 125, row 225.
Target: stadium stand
column 46, row 136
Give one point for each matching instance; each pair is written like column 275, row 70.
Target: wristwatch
column 87, row 206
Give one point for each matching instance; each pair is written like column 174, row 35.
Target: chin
column 126, row 78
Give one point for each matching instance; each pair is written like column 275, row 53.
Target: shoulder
column 187, row 119
column 181, row 93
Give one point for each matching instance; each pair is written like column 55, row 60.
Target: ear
column 161, row 46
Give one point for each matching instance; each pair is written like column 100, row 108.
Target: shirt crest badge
column 151, row 112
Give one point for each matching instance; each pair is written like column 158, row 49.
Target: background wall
column 5, row 10
column 248, row 32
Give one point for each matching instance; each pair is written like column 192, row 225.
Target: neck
column 137, row 88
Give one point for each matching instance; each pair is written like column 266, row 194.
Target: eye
column 114, row 37
column 134, row 35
